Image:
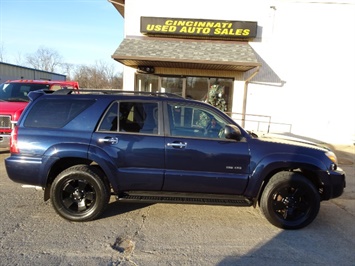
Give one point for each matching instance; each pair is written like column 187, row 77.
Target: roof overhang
column 186, row 54
column 119, row 5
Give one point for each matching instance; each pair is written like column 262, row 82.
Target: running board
column 185, row 198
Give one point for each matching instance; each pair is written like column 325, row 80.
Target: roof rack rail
column 64, row 91
column 105, row 91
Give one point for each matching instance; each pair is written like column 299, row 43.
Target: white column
column 128, row 78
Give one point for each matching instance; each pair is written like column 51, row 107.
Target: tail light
column 13, row 141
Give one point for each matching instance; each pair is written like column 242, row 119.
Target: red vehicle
column 13, row 100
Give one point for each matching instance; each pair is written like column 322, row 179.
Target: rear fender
column 107, row 165
column 51, row 162
column 59, row 152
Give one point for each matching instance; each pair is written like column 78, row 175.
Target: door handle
column 110, row 140
column 177, row 145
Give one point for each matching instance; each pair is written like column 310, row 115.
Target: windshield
column 17, row 92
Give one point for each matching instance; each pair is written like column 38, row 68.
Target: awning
column 186, row 54
column 119, row 5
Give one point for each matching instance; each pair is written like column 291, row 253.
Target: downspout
column 245, row 96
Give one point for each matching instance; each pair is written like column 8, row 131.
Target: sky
column 83, row 32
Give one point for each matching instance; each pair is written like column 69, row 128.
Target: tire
column 79, row 193
column 290, row 201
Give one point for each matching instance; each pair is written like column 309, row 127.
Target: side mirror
column 232, row 132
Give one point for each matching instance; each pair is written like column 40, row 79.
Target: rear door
column 198, row 158
column 130, row 133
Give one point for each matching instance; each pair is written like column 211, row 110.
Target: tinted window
column 138, row 117
column 55, row 113
column 194, row 121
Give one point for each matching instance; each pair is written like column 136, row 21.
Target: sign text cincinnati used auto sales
column 199, row 27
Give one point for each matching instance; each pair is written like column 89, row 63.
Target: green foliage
column 203, row 120
column 216, row 97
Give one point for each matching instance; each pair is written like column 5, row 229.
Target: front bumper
column 334, row 183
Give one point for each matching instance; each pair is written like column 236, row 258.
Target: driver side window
column 194, row 121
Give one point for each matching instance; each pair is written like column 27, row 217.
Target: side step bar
column 185, row 198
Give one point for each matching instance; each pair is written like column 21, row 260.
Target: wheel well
column 306, row 173
column 65, row 163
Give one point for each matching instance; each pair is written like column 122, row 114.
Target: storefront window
column 146, row 82
column 197, row 88
column 221, row 93
column 172, row 85
column 217, row 91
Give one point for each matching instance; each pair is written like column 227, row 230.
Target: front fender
column 273, row 163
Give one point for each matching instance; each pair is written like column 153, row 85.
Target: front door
column 198, row 158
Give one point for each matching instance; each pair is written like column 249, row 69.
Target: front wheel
column 79, row 193
column 290, row 201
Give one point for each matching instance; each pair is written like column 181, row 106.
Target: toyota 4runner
column 163, row 148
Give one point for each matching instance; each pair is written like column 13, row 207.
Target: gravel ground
column 31, row 233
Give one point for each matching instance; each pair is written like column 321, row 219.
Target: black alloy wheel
column 290, row 201
column 79, row 193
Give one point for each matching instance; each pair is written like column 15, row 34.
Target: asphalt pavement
column 31, row 233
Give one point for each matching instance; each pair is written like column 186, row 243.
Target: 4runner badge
column 234, row 167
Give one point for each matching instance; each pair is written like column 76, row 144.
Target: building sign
column 220, row 29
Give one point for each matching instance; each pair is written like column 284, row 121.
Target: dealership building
column 275, row 66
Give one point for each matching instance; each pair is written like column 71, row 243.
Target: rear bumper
column 333, row 184
column 24, row 170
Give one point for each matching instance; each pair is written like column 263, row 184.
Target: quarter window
column 41, row 115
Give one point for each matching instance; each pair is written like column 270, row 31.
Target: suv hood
column 284, row 139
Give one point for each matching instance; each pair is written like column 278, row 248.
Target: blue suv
column 148, row 147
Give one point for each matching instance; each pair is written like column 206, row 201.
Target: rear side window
column 134, row 117
column 50, row 113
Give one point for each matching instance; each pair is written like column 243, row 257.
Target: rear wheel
column 290, row 201
column 79, row 193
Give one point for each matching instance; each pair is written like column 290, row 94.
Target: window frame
column 194, row 106
column 118, row 130
column 41, row 108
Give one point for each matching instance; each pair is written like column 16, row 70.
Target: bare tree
column 45, row 59
column 101, row 75
column 19, row 59
column 98, row 76
column 68, row 70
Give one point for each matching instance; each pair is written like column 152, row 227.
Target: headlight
column 331, row 155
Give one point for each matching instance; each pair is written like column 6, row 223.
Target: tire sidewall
column 285, row 180
column 80, row 173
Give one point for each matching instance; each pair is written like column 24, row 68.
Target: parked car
column 13, row 100
column 151, row 147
